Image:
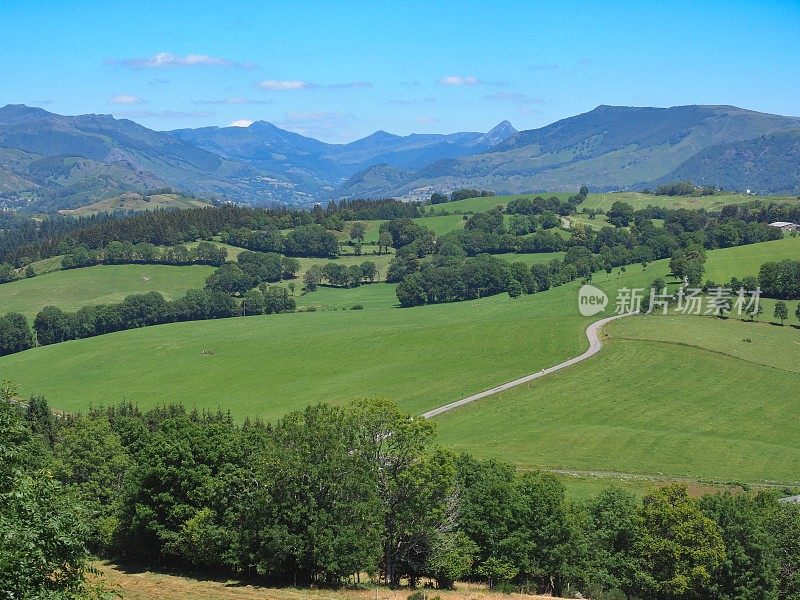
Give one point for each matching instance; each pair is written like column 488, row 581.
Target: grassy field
column 101, row 284
column 441, row 225
column 47, row 265
column 746, row 260
column 651, row 403
column 638, row 200
column 138, row 584
column 233, row 251
column 265, row 366
column 135, row 202
column 374, row 295
column 421, row 357
column 682, row 396
column 604, row 201
column 533, row 258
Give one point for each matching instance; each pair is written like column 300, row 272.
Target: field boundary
column 595, row 344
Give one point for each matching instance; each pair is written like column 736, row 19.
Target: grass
column 605, row 200
column 135, row 202
column 681, row 396
column 746, row 260
column 441, row 225
column 374, row 295
column 638, row 200
column 233, row 251
column 532, row 258
column 101, row 284
column 47, row 265
column 265, row 366
column 140, row 584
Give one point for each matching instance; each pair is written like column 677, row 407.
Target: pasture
column 584, row 418
column 101, row 284
column 638, row 200
column 741, row 261
column 676, row 396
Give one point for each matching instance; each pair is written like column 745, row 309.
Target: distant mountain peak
column 21, row 112
column 497, row 134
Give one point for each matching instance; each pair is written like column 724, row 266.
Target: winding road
column 592, row 332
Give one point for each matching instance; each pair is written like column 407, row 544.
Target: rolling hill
column 315, row 165
column 50, row 162
column 66, row 162
column 608, row 148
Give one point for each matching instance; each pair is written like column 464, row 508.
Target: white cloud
column 125, row 99
column 167, row 59
column 241, row 123
column 427, row 120
column 458, row 80
column 285, row 84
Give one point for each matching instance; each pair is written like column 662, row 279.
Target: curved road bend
column 592, row 332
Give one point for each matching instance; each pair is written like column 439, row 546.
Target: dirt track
column 592, row 333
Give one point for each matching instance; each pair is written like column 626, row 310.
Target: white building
column 785, row 225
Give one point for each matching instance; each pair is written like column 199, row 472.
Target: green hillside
column 132, row 202
column 101, row 284
column 648, row 403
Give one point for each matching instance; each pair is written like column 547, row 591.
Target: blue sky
column 341, row 70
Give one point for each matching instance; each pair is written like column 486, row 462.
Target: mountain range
column 50, row 161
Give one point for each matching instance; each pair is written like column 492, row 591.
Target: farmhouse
column 785, row 225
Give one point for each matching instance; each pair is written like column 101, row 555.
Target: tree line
column 327, row 493
column 23, row 241
column 459, row 194
column 53, row 325
column 118, row 253
column 454, row 267
column 683, row 188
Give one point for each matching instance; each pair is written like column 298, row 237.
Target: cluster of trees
column 8, row 273
column 267, row 300
column 689, row 264
column 632, row 239
column 340, row 275
column 43, row 526
column 307, row 240
column 684, row 188
column 459, row 194
column 366, row 210
column 328, row 493
column 780, row 279
column 15, row 334
column 29, row 240
column 53, row 325
column 250, row 270
column 539, row 205
column 762, row 212
column 453, row 279
column 118, row 253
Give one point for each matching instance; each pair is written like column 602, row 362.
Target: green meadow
column 708, row 403
column 101, row 284
column 639, row 200
column 746, row 260
column 682, row 396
